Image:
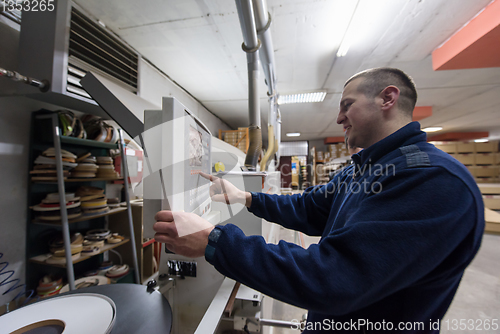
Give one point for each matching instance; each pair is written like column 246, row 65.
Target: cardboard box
column 486, row 171
column 334, row 155
column 332, row 148
column 492, row 201
column 466, row 147
column 466, row 159
column 492, row 219
column 489, row 188
column 447, row 147
column 488, row 147
column 489, row 180
column 486, row 158
column 242, row 133
column 319, row 155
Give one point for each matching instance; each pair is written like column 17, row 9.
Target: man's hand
column 183, row 233
column 224, row 191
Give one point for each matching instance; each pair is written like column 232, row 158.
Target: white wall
column 153, row 85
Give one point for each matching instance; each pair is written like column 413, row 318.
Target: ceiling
column 198, row 44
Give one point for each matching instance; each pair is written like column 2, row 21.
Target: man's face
column 359, row 116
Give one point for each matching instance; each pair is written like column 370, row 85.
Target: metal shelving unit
column 56, row 140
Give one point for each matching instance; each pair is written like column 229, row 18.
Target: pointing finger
column 208, row 176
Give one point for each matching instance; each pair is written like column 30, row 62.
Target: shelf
column 89, row 179
column 87, row 142
column 40, row 259
column 81, row 218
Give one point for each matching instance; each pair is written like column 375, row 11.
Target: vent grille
column 94, row 46
column 75, row 74
column 10, row 12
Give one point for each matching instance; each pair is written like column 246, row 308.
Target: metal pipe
column 266, row 52
column 277, row 129
column 279, row 323
column 124, row 171
column 253, row 90
column 44, row 85
column 62, row 201
column 251, row 45
column 263, row 23
column 247, row 23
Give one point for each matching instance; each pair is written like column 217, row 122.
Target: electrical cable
column 3, row 266
column 119, row 255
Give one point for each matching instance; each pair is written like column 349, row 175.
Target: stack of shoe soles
column 118, row 271
column 113, row 202
column 86, row 167
column 98, row 235
column 104, row 266
column 115, row 238
column 45, row 165
column 93, row 200
column 50, row 208
column 106, row 168
column 92, row 247
column 94, row 240
column 56, row 246
column 49, row 286
column 86, row 282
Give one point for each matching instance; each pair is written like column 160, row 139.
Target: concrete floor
column 477, row 299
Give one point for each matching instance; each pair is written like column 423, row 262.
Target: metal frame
column 129, row 208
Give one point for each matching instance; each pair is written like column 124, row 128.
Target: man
column 398, row 228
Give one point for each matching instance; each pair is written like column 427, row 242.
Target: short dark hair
column 376, row 79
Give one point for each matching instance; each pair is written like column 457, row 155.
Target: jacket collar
column 407, row 135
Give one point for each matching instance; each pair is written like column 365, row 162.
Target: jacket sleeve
column 392, row 240
column 307, row 212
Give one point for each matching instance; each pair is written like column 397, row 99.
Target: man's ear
column 389, row 96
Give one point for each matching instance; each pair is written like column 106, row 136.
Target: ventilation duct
column 251, row 45
column 62, row 45
column 255, row 22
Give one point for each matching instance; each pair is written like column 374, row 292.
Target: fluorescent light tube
column 432, row 129
column 302, row 98
column 293, row 134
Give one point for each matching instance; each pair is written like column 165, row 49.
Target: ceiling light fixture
column 293, row 134
column 302, row 98
column 481, row 140
column 432, row 129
